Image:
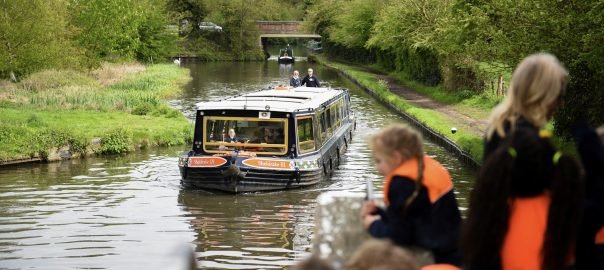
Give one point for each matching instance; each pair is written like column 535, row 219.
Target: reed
column 71, row 90
column 55, row 108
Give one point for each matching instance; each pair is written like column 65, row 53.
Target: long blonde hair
column 537, row 83
column 408, row 143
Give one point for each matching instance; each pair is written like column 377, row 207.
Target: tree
column 156, row 42
column 117, row 29
column 108, row 28
column 352, row 27
column 35, row 35
column 238, row 19
column 190, row 11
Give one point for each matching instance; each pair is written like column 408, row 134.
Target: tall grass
column 109, row 73
column 468, row 141
column 71, row 90
column 54, row 108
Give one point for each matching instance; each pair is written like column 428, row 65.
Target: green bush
column 142, row 109
column 35, row 121
column 116, row 141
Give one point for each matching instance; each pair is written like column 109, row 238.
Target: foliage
column 352, row 27
column 48, row 110
column 187, row 14
column 496, row 32
column 35, row 35
column 466, row 46
column 116, row 141
column 122, row 29
column 140, row 94
column 441, row 123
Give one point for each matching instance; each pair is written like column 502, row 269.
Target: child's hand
column 368, row 219
column 369, row 208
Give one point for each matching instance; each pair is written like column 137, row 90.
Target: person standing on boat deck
column 310, row 80
column 295, row 80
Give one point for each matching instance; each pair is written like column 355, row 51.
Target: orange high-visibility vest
column 440, row 267
column 523, row 242
column 600, row 237
column 436, row 178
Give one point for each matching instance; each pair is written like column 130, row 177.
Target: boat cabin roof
column 287, row 100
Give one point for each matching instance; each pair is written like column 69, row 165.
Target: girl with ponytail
column 421, row 209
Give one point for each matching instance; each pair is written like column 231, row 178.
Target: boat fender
column 324, row 168
column 233, row 170
column 345, row 142
column 297, row 174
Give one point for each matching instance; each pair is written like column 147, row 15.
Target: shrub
column 116, row 141
column 142, row 109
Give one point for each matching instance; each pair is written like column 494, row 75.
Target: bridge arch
column 281, row 29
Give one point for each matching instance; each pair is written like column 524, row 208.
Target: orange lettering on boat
column 268, row 163
column 206, row 161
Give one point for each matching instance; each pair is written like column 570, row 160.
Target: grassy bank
column 440, row 123
column 115, row 109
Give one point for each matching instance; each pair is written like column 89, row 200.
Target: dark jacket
column 591, row 150
column 295, row 82
column 430, row 226
column 491, row 145
column 311, row 81
column 530, row 180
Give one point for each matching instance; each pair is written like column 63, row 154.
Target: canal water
column 126, row 212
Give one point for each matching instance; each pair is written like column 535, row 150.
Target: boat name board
column 206, row 161
column 278, row 164
column 269, row 163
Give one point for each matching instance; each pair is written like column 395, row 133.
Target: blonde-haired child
column 421, row 209
column 535, row 93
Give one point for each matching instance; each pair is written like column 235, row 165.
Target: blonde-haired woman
column 525, row 207
column 536, row 91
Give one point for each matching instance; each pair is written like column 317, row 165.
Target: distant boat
column 286, row 55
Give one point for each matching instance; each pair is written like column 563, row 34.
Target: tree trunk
column 493, row 87
column 11, row 58
column 500, row 86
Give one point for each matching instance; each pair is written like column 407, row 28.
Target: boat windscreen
column 261, row 136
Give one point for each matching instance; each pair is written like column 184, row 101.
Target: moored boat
column 268, row 140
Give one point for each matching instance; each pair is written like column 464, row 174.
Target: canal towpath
column 435, row 118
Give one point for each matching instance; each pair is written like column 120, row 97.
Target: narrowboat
column 286, row 55
column 273, row 139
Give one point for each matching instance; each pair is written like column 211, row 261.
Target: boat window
column 345, row 108
column 261, row 136
column 338, row 113
column 306, row 136
column 322, row 127
column 334, row 120
column 328, row 117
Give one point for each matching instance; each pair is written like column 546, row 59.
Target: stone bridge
column 281, row 29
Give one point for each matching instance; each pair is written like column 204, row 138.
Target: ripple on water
column 130, row 211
